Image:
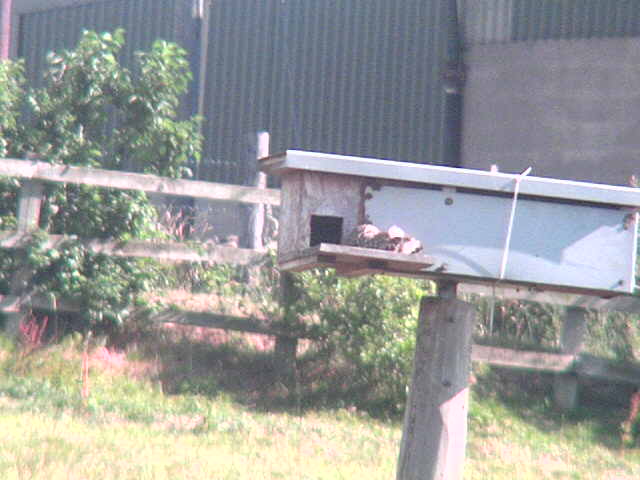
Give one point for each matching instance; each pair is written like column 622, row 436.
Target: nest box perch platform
column 474, row 226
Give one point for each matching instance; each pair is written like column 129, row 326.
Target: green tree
column 94, row 112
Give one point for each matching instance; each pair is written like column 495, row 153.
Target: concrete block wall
column 568, row 108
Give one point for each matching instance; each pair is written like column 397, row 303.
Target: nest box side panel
column 315, row 204
column 557, row 244
column 290, row 223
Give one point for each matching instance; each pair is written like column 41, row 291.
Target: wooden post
column 286, row 347
column 565, row 385
column 5, row 29
column 29, row 205
column 285, row 359
column 259, row 149
column 435, row 424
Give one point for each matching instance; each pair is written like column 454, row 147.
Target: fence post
column 565, row 385
column 286, row 347
column 29, row 206
column 435, row 423
column 256, row 218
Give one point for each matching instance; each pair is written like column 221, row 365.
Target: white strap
column 507, row 243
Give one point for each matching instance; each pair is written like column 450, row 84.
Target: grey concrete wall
column 568, row 108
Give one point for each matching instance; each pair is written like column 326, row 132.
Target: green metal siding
column 569, row 19
column 355, row 77
column 144, row 21
column 359, row 77
column 504, row 21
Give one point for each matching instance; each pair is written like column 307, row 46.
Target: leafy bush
column 517, row 323
column 93, row 112
column 369, row 325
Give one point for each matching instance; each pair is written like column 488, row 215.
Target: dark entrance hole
column 325, row 229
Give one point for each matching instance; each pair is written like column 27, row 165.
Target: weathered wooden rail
column 46, row 172
column 567, row 365
column 581, row 364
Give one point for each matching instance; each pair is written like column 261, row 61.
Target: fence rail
column 47, row 172
column 622, row 303
column 582, row 365
column 169, row 251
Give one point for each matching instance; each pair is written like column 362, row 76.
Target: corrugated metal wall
column 144, row 21
column 502, row 21
column 359, row 77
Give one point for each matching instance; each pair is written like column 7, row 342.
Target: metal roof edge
column 454, row 177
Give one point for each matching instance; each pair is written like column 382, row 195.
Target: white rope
column 507, row 243
column 492, row 309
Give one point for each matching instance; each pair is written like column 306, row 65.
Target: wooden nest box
column 474, row 226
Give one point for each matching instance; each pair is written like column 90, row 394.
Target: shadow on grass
column 248, row 374
column 244, row 368
column 529, row 396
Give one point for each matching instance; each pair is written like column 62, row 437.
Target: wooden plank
column 607, row 370
column 258, row 147
column 137, row 181
column 507, row 357
column 227, row 322
column 353, row 270
column 435, row 423
column 171, row 251
column 9, row 303
column 622, row 303
column 348, row 258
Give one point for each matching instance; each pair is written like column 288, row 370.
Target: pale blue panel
column 553, row 243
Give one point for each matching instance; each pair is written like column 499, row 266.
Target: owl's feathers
column 394, row 239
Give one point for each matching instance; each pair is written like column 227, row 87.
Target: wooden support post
column 29, row 205
column 285, row 359
column 565, row 385
column 435, row 424
column 259, row 149
column 286, row 347
column 5, row 29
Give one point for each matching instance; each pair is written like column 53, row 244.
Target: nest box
column 474, row 226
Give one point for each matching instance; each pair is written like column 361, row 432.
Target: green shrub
column 93, row 112
column 517, row 323
column 368, row 324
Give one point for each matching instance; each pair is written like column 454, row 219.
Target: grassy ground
column 149, row 417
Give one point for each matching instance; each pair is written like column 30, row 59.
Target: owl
column 393, row 240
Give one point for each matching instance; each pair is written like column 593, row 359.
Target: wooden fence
column 567, row 365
